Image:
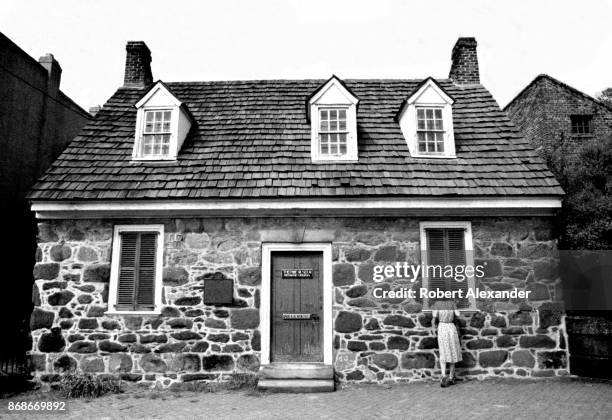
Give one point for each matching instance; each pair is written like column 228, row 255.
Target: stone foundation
column 374, row 340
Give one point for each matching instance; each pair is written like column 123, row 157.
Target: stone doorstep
column 296, row 371
column 296, row 377
column 296, row 385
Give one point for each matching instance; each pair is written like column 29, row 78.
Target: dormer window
column 162, row 124
column 157, row 132
column 333, row 120
column 430, row 130
column 426, row 120
column 333, row 132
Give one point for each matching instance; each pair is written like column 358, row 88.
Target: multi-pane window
column 430, row 130
column 333, row 132
column 156, row 133
column 581, row 124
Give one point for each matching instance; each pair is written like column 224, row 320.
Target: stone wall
column 374, row 340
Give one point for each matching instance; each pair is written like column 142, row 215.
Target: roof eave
column 371, row 206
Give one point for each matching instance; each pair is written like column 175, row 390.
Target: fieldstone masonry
column 375, row 340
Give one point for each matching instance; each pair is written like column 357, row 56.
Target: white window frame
column 343, row 100
column 140, row 126
column 347, row 131
column 423, row 98
column 144, row 134
column 114, row 274
column 443, row 131
column 469, row 254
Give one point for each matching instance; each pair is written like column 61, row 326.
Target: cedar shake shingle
column 252, row 140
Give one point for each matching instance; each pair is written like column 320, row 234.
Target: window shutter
column 127, row 270
column 145, row 295
column 447, row 247
column 136, row 283
column 457, row 256
column 436, row 256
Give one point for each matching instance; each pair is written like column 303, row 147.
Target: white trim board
column 266, row 293
column 114, row 274
column 424, row 206
column 468, row 244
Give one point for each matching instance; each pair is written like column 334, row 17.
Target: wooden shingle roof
column 251, row 139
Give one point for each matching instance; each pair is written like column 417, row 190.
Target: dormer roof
column 160, row 94
column 334, row 91
column 423, row 93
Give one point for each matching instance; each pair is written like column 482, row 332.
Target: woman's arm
column 434, row 319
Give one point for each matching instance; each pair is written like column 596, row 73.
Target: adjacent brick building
column 37, row 121
column 551, row 114
column 555, row 116
column 198, row 230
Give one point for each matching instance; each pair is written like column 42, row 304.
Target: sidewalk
column 498, row 399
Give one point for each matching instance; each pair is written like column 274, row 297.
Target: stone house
column 37, row 121
column 552, row 114
column 195, row 230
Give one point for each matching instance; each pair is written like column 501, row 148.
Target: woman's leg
column 443, row 378
column 452, row 371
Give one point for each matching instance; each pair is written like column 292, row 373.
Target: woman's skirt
column 448, row 342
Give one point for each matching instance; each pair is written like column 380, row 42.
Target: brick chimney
column 137, row 65
column 54, row 73
column 464, row 62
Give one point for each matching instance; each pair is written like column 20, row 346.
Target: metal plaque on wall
column 218, row 291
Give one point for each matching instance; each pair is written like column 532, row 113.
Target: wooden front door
column 297, row 306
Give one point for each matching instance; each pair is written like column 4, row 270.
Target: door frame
column 266, row 294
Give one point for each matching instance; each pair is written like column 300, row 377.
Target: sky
column 313, row 39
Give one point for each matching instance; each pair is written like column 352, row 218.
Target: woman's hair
column 445, row 304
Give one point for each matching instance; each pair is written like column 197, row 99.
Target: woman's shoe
column 450, row 381
column 444, row 382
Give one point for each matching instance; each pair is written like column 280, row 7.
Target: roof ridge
column 560, row 83
column 410, row 80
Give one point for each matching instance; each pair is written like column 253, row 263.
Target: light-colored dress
column 448, row 338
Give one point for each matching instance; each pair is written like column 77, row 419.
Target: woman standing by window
column 444, row 313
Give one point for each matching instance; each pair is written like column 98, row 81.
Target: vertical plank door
column 296, row 293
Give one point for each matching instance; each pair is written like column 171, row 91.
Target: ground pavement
column 491, row 399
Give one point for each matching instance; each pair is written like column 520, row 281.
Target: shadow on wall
column 588, row 298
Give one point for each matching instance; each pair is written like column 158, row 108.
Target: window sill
column 154, row 159
column 421, row 156
column 151, row 313
column 335, row 160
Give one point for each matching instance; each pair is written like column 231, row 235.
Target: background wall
column 36, row 122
